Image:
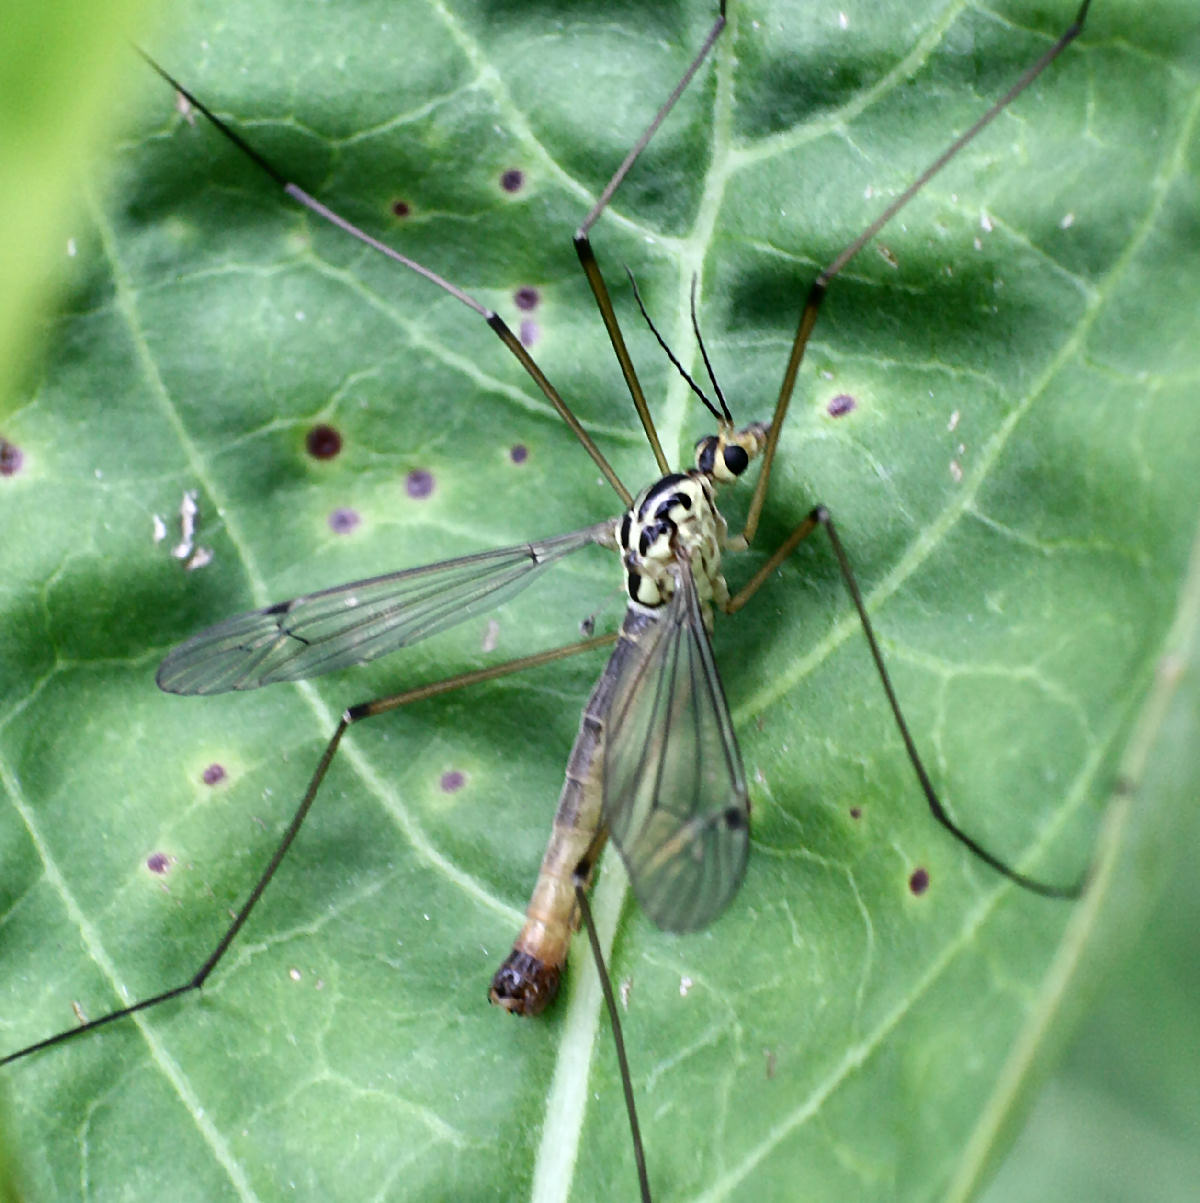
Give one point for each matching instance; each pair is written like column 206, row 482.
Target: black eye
column 736, row 459
column 706, row 452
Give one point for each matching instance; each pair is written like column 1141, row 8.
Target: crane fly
column 681, row 591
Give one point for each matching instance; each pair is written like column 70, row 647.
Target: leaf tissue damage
column 1012, row 479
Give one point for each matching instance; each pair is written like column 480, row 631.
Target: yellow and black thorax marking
column 676, row 513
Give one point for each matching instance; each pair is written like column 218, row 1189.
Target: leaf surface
column 1015, row 484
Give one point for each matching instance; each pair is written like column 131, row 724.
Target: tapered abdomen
column 528, row 980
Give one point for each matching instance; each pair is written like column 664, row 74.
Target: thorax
column 676, row 514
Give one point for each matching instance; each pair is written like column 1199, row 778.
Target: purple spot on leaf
column 519, row 453
column 418, row 484
column 841, row 405
column 342, row 521
column 213, row 775
column 526, row 298
column 158, row 862
column 513, row 180
column 323, row 442
column 11, row 458
column 453, row 780
column 401, row 208
column 919, row 881
column 856, row 812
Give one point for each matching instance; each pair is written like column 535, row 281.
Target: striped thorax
column 679, row 513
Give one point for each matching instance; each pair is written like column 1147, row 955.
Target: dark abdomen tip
column 524, row 985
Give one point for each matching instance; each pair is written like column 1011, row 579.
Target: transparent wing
column 354, row 623
column 674, row 789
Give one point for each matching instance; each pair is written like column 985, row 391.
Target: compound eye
column 736, row 459
column 706, row 454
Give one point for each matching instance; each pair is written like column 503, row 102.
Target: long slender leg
column 610, row 1003
column 587, row 259
column 354, row 714
column 816, row 294
column 494, row 320
column 819, row 516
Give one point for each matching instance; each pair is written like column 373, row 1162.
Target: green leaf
column 1015, row 486
column 1117, row 1120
